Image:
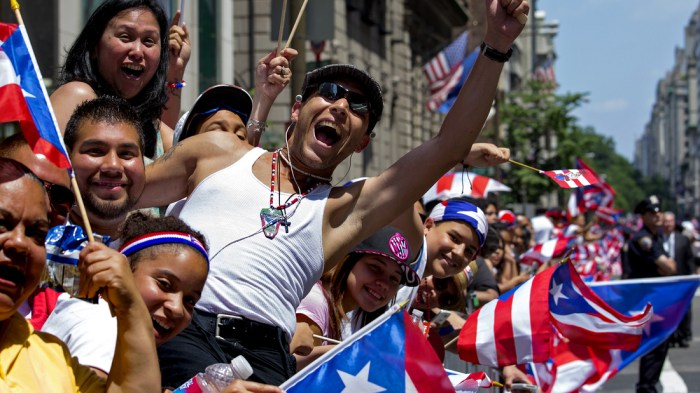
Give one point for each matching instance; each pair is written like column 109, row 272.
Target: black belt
column 240, row 328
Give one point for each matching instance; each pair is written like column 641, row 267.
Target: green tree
column 535, row 119
column 542, row 133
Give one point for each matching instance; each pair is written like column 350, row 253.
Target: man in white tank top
column 273, row 220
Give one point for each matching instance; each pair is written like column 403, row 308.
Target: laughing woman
column 126, row 50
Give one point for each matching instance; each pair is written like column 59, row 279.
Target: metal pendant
column 270, row 219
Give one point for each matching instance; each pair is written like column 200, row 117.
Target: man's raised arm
column 384, row 197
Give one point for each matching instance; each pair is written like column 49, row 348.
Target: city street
column 681, row 372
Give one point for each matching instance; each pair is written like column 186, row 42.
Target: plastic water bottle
column 417, row 318
column 222, row 374
column 217, row 376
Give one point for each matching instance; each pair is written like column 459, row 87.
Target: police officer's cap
column 652, row 203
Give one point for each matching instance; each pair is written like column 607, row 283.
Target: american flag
column 545, row 72
column 519, row 326
column 445, row 70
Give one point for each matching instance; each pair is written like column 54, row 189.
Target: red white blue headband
column 156, row 238
column 456, row 210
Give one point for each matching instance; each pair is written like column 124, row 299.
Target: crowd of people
column 211, row 247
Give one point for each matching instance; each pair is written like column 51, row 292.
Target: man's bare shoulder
column 216, row 150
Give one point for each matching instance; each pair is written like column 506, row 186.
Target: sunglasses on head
column 61, row 198
column 211, row 111
column 332, row 91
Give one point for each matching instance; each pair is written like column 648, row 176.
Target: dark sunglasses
column 447, row 300
column 197, row 116
column 61, row 198
column 445, row 297
column 332, row 91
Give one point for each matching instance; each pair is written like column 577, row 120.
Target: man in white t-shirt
column 272, row 218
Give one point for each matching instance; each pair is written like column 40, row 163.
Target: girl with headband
column 169, row 263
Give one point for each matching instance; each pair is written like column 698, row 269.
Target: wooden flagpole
column 525, row 166
column 296, row 23
column 279, row 35
column 330, row 340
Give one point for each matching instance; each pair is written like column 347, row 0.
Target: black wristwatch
column 494, row 54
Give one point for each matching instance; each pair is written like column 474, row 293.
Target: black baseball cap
column 229, row 97
column 390, row 242
column 335, row 72
column 652, row 203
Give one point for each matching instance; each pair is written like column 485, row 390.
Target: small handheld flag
column 566, row 178
column 572, row 178
column 390, row 354
column 23, row 96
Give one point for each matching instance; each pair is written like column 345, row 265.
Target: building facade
column 391, row 39
column 669, row 146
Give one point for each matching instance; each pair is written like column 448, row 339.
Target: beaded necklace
column 272, row 217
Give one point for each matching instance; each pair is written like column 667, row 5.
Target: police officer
column 647, row 258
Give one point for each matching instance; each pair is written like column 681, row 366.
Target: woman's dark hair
column 335, row 285
column 139, row 224
column 492, row 243
column 81, row 65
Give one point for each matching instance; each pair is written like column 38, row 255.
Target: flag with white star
column 582, row 316
column 575, row 366
column 520, row 325
column 389, row 355
column 23, row 96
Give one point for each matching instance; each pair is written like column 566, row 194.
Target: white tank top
column 250, row 275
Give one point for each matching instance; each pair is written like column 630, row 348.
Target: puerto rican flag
column 575, row 366
column 600, row 194
column 520, row 325
column 469, row 383
column 572, row 178
column 388, row 355
column 23, row 97
column 608, row 215
column 544, row 252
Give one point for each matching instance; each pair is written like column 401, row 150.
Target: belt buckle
column 219, row 317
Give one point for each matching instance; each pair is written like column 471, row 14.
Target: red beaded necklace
column 272, row 217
